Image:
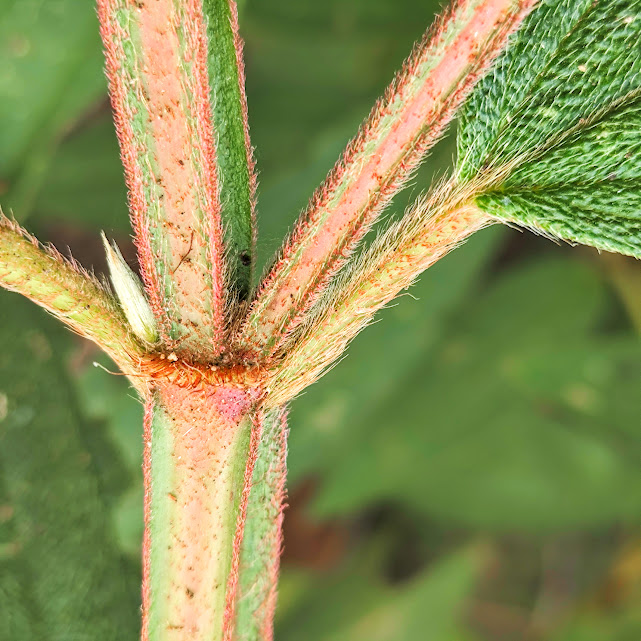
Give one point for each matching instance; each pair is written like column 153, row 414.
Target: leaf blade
column 76, row 579
column 556, row 126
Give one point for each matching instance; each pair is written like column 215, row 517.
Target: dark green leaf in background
column 376, row 366
column 62, row 576
column 85, row 184
column 50, row 72
column 364, row 608
column 511, row 422
column 111, row 401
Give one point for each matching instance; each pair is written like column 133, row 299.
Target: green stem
column 199, row 453
column 66, row 291
column 402, row 127
column 262, row 543
column 234, row 153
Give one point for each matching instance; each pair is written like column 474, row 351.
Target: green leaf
column 63, row 576
column 50, row 72
column 603, row 620
column 17, row 616
column 364, row 608
column 559, row 120
column 110, row 400
column 84, row 185
column 521, row 418
column 312, row 64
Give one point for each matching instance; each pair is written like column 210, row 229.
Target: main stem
column 200, row 448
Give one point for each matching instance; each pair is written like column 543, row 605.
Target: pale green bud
column 131, row 295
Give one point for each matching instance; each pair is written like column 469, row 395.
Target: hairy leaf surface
column 557, row 126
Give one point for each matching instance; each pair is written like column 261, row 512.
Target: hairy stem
column 66, row 291
column 262, row 543
column 237, row 178
column 156, row 54
column 436, row 225
column 200, row 448
column 401, row 128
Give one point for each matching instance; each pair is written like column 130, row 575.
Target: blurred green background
column 471, row 471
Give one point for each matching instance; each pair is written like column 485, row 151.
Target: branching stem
column 401, row 128
column 436, row 225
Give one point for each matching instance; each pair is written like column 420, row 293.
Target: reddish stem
column 200, row 448
column 156, row 54
column 432, row 229
column 232, row 581
column 402, row 127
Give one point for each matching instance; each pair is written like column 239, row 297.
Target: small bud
column 131, row 295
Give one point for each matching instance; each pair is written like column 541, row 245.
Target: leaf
column 559, row 119
column 620, row 622
column 519, row 419
column 110, row 401
column 311, row 65
column 17, row 617
column 64, row 577
column 85, row 184
column 50, row 72
column 357, row 606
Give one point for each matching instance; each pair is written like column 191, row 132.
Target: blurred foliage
column 531, row 414
column 473, row 461
column 355, row 605
column 50, row 75
column 62, row 575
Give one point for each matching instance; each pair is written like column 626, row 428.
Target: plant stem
column 436, row 225
column 262, row 543
column 200, row 448
column 156, row 56
column 236, row 173
column 402, row 127
column 65, row 290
